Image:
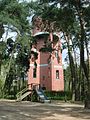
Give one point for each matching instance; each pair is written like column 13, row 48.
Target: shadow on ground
column 42, row 111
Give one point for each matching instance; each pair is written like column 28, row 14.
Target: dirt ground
column 11, row 110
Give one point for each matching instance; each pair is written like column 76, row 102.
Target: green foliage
column 13, row 17
column 34, row 97
column 1, row 89
column 67, row 79
column 14, row 13
column 60, row 95
column 46, row 49
column 1, row 29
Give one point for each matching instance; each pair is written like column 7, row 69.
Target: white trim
column 57, row 66
column 56, row 34
column 34, row 49
column 31, row 65
column 44, row 65
column 46, row 33
column 41, row 65
column 41, row 33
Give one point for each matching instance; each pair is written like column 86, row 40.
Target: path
column 10, row 110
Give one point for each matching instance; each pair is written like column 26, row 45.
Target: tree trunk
column 72, row 68
column 82, row 59
column 77, row 80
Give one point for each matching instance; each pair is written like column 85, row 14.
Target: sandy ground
column 11, row 110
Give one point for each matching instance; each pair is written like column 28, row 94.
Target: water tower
column 46, row 59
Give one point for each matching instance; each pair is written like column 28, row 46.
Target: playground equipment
column 28, row 91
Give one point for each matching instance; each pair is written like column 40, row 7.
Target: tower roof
column 41, row 33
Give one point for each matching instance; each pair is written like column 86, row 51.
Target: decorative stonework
column 42, row 25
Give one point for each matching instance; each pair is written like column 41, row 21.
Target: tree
column 72, row 18
column 13, row 17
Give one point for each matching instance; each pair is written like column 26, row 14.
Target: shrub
column 60, row 95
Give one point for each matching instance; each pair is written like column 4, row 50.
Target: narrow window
column 35, row 70
column 43, row 77
column 57, row 74
column 56, row 54
column 34, row 73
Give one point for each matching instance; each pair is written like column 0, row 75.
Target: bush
column 60, row 95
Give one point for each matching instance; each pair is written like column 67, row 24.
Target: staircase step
column 24, row 95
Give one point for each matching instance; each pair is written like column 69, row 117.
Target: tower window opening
column 43, row 77
column 57, row 74
column 56, row 54
column 34, row 73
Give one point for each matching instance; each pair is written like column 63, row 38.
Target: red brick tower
column 46, row 66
